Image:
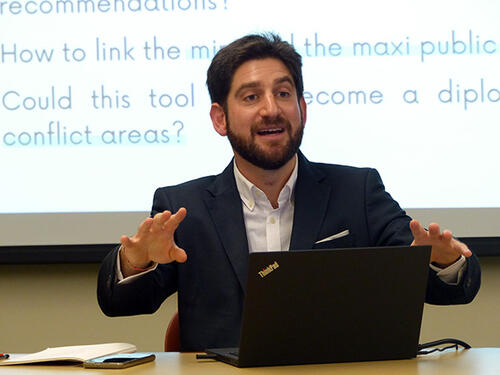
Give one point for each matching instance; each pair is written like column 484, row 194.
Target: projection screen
column 103, row 101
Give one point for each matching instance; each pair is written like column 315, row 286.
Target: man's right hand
column 153, row 242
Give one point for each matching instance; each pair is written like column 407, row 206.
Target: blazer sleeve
column 440, row 293
column 389, row 225
column 145, row 294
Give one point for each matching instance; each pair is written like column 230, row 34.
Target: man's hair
column 256, row 46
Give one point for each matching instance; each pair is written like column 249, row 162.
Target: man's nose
column 270, row 107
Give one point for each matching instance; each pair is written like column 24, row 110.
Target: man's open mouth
column 270, row 131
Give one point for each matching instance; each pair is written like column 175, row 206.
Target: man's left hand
column 446, row 250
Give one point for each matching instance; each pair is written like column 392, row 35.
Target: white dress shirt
column 267, row 228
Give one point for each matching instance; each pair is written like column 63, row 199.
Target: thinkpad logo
column 266, row 271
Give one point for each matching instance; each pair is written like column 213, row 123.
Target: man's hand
column 153, row 242
column 445, row 249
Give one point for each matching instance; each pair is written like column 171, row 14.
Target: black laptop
column 339, row 305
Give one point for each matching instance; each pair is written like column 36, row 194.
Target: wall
column 55, row 305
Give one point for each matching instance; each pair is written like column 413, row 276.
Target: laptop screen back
column 317, row 306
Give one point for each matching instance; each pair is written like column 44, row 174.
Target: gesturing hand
column 153, row 242
column 445, row 249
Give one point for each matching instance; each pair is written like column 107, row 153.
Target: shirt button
column 272, row 220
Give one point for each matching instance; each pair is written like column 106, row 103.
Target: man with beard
column 270, row 197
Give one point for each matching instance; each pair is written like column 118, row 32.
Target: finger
column 447, row 235
column 172, row 224
column 178, row 254
column 179, row 215
column 125, row 241
column 414, row 226
column 434, row 231
column 418, row 231
column 145, row 226
column 466, row 252
column 157, row 216
column 159, row 220
column 463, row 248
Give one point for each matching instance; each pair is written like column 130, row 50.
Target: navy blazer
column 329, row 199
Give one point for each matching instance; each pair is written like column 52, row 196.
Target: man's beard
column 251, row 152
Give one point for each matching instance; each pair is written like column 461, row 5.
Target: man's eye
column 250, row 98
column 284, row 94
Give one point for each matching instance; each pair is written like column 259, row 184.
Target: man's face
column 264, row 118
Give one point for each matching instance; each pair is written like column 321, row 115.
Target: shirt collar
column 248, row 190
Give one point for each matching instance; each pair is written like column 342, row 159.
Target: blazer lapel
column 311, row 198
column 224, row 206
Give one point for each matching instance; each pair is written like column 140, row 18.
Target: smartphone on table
column 121, row 360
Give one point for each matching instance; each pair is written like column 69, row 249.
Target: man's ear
column 218, row 117
column 303, row 110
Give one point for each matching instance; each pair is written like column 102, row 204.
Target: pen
column 4, row 356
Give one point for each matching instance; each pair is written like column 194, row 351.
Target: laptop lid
column 338, row 305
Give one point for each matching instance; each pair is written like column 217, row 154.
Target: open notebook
column 78, row 353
